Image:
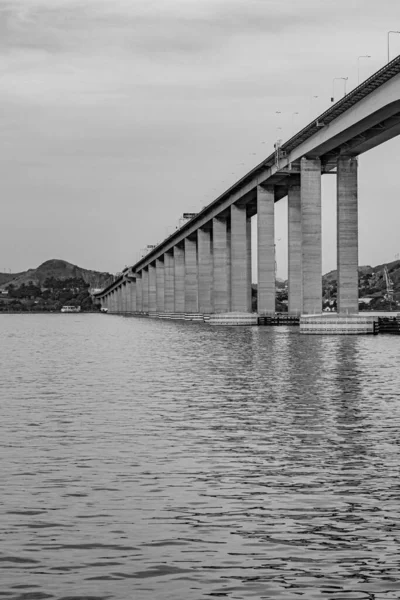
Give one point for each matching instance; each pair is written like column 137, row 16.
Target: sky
column 117, row 116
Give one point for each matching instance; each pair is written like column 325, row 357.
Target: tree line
column 51, row 296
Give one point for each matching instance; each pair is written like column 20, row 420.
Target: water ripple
column 155, row 460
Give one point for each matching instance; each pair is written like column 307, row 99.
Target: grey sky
column 118, row 115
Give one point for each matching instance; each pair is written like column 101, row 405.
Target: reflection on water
column 147, row 459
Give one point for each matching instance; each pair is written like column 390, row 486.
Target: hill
column 52, row 285
column 56, row 269
column 371, row 284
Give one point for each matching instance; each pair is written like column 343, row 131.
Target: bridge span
column 205, row 266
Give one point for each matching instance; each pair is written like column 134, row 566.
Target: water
column 158, row 460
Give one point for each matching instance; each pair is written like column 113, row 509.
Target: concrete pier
column 179, row 279
column 169, row 299
column 295, row 276
column 249, row 262
column 132, row 303
column 119, row 299
column 205, row 270
column 347, row 235
column 124, row 297
column 221, row 279
column 310, row 170
column 152, row 288
column 191, row 277
column 139, row 303
column 145, row 290
column 160, row 285
column 239, row 265
column 266, row 250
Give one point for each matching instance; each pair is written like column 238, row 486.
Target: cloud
column 161, row 27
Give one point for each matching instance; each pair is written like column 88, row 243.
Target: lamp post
column 358, row 65
column 333, row 86
column 388, row 43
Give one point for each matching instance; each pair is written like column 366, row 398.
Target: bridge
column 204, row 267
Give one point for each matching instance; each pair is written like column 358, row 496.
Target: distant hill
column 58, row 269
column 7, row 277
column 371, row 280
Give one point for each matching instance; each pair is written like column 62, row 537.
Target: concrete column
column 132, row 302
column 124, row 298
column 347, row 235
column 205, row 266
column 116, row 308
column 119, row 298
column 239, row 265
column 169, row 295
column 145, row 290
column 310, row 170
column 127, row 296
column 295, row 299
column 179, row 279
column 139, row 302
column 221, row 275
column 191, row 277
column 266, row 249
column 160, row 285
column 249, row 262
column 152, row 288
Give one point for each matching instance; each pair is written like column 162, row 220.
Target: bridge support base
column 334, row 324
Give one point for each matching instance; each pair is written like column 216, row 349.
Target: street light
column 358, row 65
column 333, row 86
column 388, row 42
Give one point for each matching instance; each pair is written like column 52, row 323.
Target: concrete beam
column 295, row 276
column 347, row 235
column 266, row 250
column 310, row 170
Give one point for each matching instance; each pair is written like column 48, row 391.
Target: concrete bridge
column 205, row 266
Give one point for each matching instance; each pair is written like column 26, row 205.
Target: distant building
column 366, row 300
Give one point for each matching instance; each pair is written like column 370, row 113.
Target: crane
column 389, row 285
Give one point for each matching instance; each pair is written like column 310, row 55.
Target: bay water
column 150, row 459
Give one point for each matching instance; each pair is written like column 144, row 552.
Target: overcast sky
column 118, row 115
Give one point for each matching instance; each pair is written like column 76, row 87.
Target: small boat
column 71, row 309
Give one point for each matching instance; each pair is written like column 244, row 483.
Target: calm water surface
column 156, row 460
